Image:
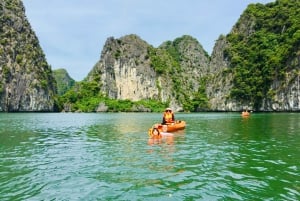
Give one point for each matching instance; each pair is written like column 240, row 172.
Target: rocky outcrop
column 285, row 94
column 194, row 64
column 125, row 71
column 257, row 65
column 26, row 81
column 63, row 80
column 130, row 68
column 219, row 81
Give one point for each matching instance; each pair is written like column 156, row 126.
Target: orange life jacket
column 168, row 117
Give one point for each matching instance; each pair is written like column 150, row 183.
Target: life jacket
column 168, row 117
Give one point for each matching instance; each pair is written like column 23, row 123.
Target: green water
column 219, row 156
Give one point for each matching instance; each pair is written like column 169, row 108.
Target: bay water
column 106, row 156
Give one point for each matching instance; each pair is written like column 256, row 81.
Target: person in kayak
column 168, row 116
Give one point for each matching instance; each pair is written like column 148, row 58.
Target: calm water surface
column 219, row 156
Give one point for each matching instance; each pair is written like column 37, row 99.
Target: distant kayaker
column 168, row 116
column 245, row 113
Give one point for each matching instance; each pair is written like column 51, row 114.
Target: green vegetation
column 200, row 100
column 261, row 57
column 166, row 63
column 1, row 88
column 63, row 80
column 154, row 105
column 158, row 63
column 263, row 47
column 86, row 97
column 184, row 90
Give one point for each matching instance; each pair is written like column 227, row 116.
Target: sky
column 72, row 33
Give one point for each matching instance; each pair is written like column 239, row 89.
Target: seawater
column 106, row 156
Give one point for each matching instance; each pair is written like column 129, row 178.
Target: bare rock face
column 219, row 83
column 125, row 71
column 256, row 67
column 284, row 94
column 130, row 68
column 194, row 65
column 26, row 81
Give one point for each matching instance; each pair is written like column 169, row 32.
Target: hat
column 168, row 109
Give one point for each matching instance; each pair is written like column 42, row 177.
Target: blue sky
column 72, row 33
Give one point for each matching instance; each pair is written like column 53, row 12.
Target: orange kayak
column 172, row 127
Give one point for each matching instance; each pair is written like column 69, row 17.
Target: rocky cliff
column 130, row 68
column 125, row 69
column 257, row 65
column 219, row 79
column 63, row 80
column 26, row 81
column 193, row 65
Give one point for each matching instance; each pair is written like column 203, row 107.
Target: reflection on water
column 219, row 156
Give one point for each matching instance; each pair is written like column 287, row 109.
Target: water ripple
column 107, row 157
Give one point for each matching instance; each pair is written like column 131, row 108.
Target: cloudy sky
column 72, row 33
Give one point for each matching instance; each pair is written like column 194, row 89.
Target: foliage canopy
column 260, row 57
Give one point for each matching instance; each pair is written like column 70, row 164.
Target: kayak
column 172, row 127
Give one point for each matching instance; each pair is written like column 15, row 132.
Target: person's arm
column 163, row 120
